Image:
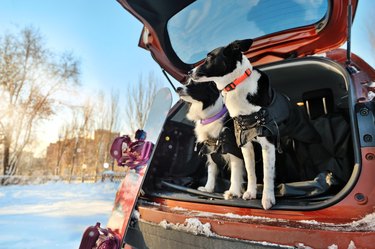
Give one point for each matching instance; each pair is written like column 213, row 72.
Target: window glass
column 207, row 24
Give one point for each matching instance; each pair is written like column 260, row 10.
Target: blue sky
column 105, row 37
column 99, row 32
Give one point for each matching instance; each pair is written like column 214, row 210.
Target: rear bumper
column 148, row 235
column 161, row 227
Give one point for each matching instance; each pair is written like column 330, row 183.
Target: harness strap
column 253, row 120
column 208, row 146
column 220, row 145
column 256, row 124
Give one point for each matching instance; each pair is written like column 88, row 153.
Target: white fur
column 237, row 104
column 203, row 132
column 236, row 177
column 211, row 176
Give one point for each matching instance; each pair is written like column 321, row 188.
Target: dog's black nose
column 179, row 89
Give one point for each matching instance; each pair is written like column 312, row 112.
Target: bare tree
column 72, row 141
column 138, row 102
column 100, row 121
column 112, row 124
column 30, row 78
column 107, row 122
column 80, row 132
column 62, row 146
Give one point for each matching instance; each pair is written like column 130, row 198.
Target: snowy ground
column 52, row 215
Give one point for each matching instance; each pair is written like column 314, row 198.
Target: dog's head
column 203, row 99
column 224, row 64
column 206, row 94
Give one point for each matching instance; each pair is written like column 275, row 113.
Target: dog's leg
column 248, row 155
column 236, row 178
column 211, row 176
column 268, row 154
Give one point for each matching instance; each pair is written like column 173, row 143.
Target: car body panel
column 261, row 229
column 347, row 217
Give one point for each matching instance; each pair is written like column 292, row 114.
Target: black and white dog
column 260, row 114
column 214, row 129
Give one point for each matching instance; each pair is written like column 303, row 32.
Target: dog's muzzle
column 181, row 91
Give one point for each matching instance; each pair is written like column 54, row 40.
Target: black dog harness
column 210, row 145
column 268, row 121
column 225, row 143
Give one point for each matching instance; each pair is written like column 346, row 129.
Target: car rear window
column 207, row 24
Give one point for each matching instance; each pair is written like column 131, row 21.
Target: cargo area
column 308, row 176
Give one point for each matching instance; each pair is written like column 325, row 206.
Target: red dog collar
column 231, row 86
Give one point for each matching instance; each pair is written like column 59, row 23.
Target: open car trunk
column 308, row 176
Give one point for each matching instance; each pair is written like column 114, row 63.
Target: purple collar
column 215, row 117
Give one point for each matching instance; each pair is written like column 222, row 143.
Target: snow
column 371, row 95
column 352, row 245
column 367, row 223
column 250, row 217
column 136, row 215
column 52, row 215
column 302, row 246
column 191, row 225
column 311, row 222
column 178, row 209
column 333, row 247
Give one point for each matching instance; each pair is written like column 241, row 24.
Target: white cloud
column 311, row 8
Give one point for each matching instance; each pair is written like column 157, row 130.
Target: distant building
column 81, row 155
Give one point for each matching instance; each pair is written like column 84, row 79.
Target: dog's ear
column 244, row 45
column 238, row 45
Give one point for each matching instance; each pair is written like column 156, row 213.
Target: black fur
column 263, row 96
column 205, row 93
column 223, row 60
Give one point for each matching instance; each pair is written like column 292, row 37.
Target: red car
column 326, row 192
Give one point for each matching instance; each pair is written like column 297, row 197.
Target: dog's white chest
column 237, row 104
column 204, row 132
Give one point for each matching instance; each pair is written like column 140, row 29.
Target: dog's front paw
column 268, row 200
column 249, row 194
column 206, row 189
column 230, row 194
